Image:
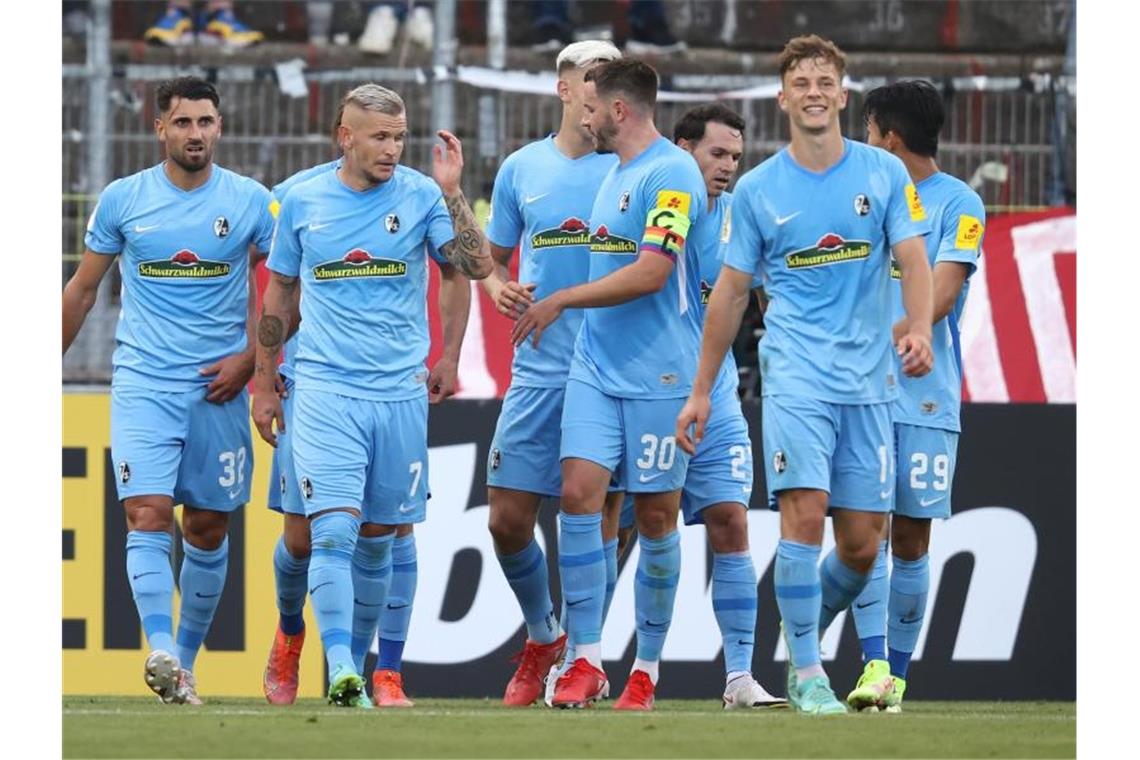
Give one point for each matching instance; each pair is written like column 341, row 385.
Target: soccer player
column 817, row 222
column 542, row 200
column 179, row 427
column 632, row 367
column 718, row 486
column 905, row 119
column 355, row 241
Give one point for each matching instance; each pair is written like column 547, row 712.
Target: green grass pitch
column 140, row 727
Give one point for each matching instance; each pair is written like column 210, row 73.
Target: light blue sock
column 330, row 584
column 734, row 604
column 910, row 583
column 582, row 563
column 526, row 574
column 397, row 613
column 291, row 576
column 870, row 610
column 152, row 585
column 654, row 590
column 371, row 574
column 797, row 596
column 839, row 585
column 610, row 548
column 201, row 581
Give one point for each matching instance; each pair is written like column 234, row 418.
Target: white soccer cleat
column 551, row 680
column 187, row 688
column 745, row 693
column 163, row 674
column 379, row 31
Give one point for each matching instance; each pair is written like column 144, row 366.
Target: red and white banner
column 1019, row 337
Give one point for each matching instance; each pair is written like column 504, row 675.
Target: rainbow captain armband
column 665, row 231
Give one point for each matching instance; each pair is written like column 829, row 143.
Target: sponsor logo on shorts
column 779, row 462
column 830, row 249
column 124, row 472
column 572, row 231
column 307, row 488
column 221, row 226
column 359, row 263
column 496, row 459
column 392, row 223
column 647, row 478
column 184, row 264
column 603, row 242
column 862, row 205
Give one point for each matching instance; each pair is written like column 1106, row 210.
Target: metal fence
column 269, row 135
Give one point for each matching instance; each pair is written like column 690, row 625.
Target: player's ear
column 563, row 89
column 842, row 98
column 159, row 128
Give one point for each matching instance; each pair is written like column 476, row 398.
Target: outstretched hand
column 447, row 162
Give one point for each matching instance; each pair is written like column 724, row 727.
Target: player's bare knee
column 204, row 528
column 577, row 498
column 727, row 527
column 298, row 539
column 858, row 552
column 146, row 514
column 374, row 530
column 910, row 538
column 511, row 530
column 655, row 521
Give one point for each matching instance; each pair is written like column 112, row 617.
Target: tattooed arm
column 276, row 318
column 469, row 251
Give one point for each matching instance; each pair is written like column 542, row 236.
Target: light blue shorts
column 284, row 494
column 178, row 444
column 524, row 450
column 632, row 438
column 351, row 452
column 844, row 449
column 925, row 467
column 721, row 470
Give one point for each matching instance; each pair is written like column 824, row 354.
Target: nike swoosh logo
column 657, row 624
column 403, row 510
column 906, row 621
column 366, row 604
column 928, row 502
column 313, row 590
column 148, row 228
column 645, row 479
column 802, row 633
column 575, row 604
column 397, row 607
column 315, row 227
column 143, row 575
column 884, row 494
column 234, row 494
column 866, row 605
column 200, row 595
column 744, row 643
column 782, row 220
column 533, row 198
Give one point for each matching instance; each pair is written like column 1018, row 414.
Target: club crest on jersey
column 392, row 223
column 359, row 263
column 572, row 231
column 829, row 249
column 183, row 264
column 124, row 472
column 862, row 205
column 603, row 242
column 623, row 203
column 706, row 291
column 221, row 226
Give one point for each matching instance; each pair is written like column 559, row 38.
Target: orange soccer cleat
column 580, row 686
column 534, row 661
column 388, row 689
column 638, row 693
column 281, row 672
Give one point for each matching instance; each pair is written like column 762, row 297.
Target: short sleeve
column 675, row 199
column 745, row 246
column 285, row 250
column 263, row 228
column 104, row 234
column 440, row 230
column 505, row 225
column 906, row 217
column 963, row 227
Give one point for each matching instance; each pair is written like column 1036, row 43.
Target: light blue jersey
column 646, row 348
column 957, row 220
column 185, row 268
column 821, row 244
column 709, row 243
column 279, row 192
column 542, row 201
column 362, row 261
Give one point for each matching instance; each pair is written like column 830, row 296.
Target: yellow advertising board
column 104, row 647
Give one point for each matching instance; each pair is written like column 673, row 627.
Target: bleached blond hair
column 586, row 53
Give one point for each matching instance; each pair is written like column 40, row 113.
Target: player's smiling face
column 812, row 95
column 372, row 142
column 189, row 132
column 718, row 154
column 597, row 119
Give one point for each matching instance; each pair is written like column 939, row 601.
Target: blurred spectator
column 75, row 18
column 217, row 24
column 649, row 33
column 384, row 20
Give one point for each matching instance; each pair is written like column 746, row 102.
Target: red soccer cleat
column 580, row 686
column 388, row 689
column 281, row 672
column 534, row 661
column 638, row 693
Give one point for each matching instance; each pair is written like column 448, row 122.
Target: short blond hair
column 372, row 97
column 582, row 55
column 811, row 47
